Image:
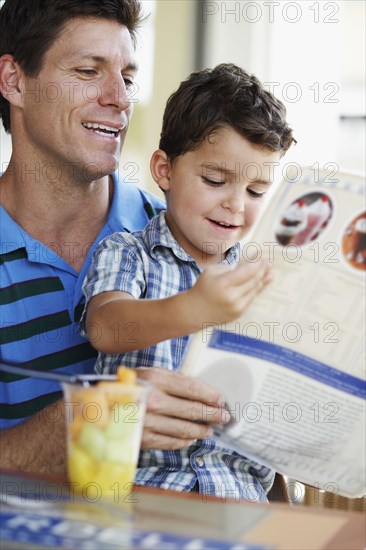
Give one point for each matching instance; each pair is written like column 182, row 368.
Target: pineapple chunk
column 81, row 467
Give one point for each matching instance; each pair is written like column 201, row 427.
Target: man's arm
column 38, row 444
column 117, row 323
column 177, row 412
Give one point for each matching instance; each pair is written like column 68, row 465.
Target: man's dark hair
column 224, row 96
column 28, row 28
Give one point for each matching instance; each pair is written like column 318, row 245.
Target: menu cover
column 41, row 515
column 292, row 367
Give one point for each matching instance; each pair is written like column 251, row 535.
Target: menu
column 292, row 367
column 49, row 517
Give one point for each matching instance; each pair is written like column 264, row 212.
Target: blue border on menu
column 46, row 531
column 237, row 343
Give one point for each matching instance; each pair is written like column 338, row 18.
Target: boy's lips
column 225, row 225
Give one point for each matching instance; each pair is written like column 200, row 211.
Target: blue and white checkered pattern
column 151, row 264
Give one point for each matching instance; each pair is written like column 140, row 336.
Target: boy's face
column 215, row 192
column 76, row 111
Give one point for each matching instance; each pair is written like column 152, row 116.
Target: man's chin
column 97, row 170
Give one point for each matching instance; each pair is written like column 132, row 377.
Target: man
column 66, row 69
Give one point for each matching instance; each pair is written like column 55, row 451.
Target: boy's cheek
column 251, row 214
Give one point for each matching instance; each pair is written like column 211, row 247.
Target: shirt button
column 199, row 461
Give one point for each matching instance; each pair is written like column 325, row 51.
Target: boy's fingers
column 268, row 278
column 247, row 271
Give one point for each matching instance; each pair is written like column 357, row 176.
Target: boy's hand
column 222, row 293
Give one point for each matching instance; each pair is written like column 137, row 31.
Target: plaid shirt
column 151, row 264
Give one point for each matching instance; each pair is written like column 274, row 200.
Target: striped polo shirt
column 41, row 303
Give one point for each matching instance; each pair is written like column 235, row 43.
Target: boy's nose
column 234, row 201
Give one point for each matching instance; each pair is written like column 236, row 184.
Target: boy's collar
column 162, row 236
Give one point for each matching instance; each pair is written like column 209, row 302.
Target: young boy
column 146, row 291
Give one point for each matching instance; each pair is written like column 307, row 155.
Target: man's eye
column 212, row 182
column 87, row 72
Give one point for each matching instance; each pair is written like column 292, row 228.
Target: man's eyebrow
column 100, row 59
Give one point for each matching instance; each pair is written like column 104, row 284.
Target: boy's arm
column 117, row 323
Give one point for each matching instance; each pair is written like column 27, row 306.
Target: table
column 45, row 512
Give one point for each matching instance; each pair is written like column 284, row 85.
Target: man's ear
column 10, row 80
column 160, row 169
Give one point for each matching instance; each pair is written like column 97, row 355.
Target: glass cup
column 104, row 427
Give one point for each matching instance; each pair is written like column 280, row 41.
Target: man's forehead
column 76, row 27
column 101, row 40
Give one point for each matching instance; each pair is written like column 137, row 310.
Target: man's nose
column 114, row 92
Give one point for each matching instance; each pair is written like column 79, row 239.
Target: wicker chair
column 315, row 497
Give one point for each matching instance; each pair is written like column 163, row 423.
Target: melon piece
column 123, row 421
column 95, row 406
column 92, row 441
column 74, row 426
column 120, row 451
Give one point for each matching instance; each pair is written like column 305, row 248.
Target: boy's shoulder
column 144, row 239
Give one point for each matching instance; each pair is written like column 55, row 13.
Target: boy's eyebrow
column 215, row 167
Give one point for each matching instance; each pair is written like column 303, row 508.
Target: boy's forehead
column 228, row 142
column 228, row 153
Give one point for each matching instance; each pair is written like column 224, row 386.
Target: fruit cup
column 104, row 426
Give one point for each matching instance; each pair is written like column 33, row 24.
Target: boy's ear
column 10, row 80
column 160, row 169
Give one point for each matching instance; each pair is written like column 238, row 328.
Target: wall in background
column 311, row 54
column 173, row 59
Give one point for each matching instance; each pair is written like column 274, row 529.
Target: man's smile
column 104, row 129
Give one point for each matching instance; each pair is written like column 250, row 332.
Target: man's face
column 76, row 112
column 215, row 193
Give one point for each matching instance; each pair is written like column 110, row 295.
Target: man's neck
column 67, row 217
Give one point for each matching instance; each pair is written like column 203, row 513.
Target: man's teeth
column 224, row 224
column 101, row 128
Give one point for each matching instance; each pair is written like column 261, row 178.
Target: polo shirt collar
column 12, row 236
column 126, row 212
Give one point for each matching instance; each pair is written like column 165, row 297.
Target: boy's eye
column 128, row 82
column 256, row 194
column 212, row 182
